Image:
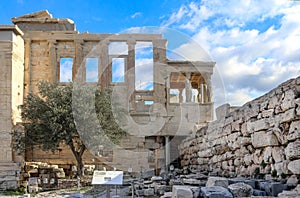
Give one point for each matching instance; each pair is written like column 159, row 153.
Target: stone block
column 292, row 181
column 167, row 195
column 33, row 189
column 287, row 116
column 278, row 154
column 250, row 182
column 244, row 130
column 263, row 139
column 217, row 181
column 149, row 192
column 196, row 192
column 277, row 188
column 273, row 188
column 243, row 141
column 279, row 133
column 259, row 193
column 236, row 126
column 151, row 145
column 156, row 179
column 282, row 167
column 242, row 180
column 240, row 190
column 206, row 153
column 182, row 191
column 233, row 137
column 192, row 181
column 159, row 189
column 222, row 111
column 294, row 131
column 33, row 181
column 248, row 159
column 257, row 125
column 139, row 193
column 288, row 101
column 292, row 151
column 267, row 113
column 289, row 194
column 294, row 166
column 215, row 192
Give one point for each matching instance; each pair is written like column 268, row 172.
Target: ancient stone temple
column 39, row 47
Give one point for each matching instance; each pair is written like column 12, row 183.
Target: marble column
column 180, row 95
column 188, row 88
column 167, row 152
column 78, row 71
column 130, row 74
column 27, row 67
column 159, row 70
column 208, row 87
column 104, row 75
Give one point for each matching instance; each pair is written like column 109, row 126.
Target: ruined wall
column 54, row 51
column 261, row 136
column 11, row 96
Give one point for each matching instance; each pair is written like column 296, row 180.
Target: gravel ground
column 67, row 193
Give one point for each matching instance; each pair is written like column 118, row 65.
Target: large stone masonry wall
column 261, row 136
column 11, row 96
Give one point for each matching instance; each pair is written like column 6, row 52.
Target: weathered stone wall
column 261, row 136
column 11, row 96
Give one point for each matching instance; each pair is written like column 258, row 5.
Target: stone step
column 8, row 178
column 7, row 185
column 10, row 172
column 9, row 166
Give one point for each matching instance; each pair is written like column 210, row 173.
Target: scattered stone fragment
column 240, row 190
column 182, row 191
column 217, row 181
column 149, row 192
column 215, row 192
column 292, row 181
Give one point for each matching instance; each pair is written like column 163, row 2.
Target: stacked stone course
column 261, row 137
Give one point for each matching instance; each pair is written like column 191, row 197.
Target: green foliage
column 286, row 143
column 263, row 164
column 75, row 114
column 283, row 176
column 297, row 94
column 20, row 191
column 256, row 172
column 274, row 173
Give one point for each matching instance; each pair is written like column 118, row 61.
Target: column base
column 9, row 175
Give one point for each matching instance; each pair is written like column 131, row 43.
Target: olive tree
column 77, row 115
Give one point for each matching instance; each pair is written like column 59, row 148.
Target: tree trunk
column 78, row 156
column 79, row 165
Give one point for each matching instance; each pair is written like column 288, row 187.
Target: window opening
column 65, row 69
column 144, row 66
column 118, row 70
column 91, row 65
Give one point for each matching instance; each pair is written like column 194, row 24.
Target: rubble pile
column 198, row 185
column 40, row 176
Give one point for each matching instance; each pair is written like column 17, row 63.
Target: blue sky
column 254, row 42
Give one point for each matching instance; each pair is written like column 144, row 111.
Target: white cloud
column 118, row 69
column 118, row 48
column 136, row 15
column 66, row 69
column 176, row 16
column 251, row 59
column 144, row 73
column 187, row 52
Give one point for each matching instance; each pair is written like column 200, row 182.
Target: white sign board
column 108, row 177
